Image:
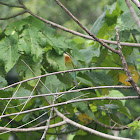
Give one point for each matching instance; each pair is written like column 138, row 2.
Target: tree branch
column 133, row 13
column 136, row 2
column 72, row 31
column 31, row 129
column 10, row 5
column 84, row 28
column 125, row 66
column 92, row 131
column 70, row 91
column 59, row 72
column 18, row 14
column 48, row 121
column 72, row 101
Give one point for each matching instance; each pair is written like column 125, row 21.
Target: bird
column 69, row 64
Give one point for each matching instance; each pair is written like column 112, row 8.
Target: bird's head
column 67, row 57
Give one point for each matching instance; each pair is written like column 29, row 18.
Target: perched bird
column 69, row 64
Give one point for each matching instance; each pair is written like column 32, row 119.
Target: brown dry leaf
column 123, row 77
column 84, row 118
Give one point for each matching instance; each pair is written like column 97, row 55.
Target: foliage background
column 44, row 54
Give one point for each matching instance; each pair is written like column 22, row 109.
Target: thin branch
column 73, row 101
column 48, row 121
column 7, row 131
column 92, row 131
column 84, row 28
column 18, row 113
column 133, row 13
column 70, row 91
column 31, row 129
column 10, row 99
column 74, row 32
column 35, row 75
column 136, row 2
column 80, row 34
column 125, row 66
column 18, row 14
column 59, row 72
column 10, row 5
column 39, row 128
column 43, row 122
column 110, row 127
column 96, row 39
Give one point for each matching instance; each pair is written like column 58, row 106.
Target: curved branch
column 59, row 72
column 72, row 31
column 67, row 92
column 110, row 127
column 18, row 14
column 125, row 66
column 132, row 11
column 84, row 28
column 10, row 5
column 136, row 2
column 31, row 129
column 71, row 101
column 92, row 131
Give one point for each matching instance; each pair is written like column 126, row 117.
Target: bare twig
column 59, row 72
column 48, row 121
column 35, row 75
column 70, row 91
column 136, row 2
column 10, row 5
column 96, row 39
column 10, row 99
column 133, row 13
column 84, row 28
column 7, row 131
column 124, row 63
column 100, row 134
column 31, row 129
column 73, row 101
column 87, row 129
column 18, row 14
column 72, row 31
column 111, row 127
column 24, row 104
column 43, row 122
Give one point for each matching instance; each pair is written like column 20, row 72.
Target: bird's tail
column 75, row 80
column 76, row 83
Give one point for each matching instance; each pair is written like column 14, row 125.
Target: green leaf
column 25, row 72
column 98, row 24
column 52, row 83
column 3, row 82
column 84, row 79
column 56, row 61
column 103, row 27
column 122, row 5
column 125, row 111
column 100, row 78
column 21, row 93
column 30, row 43
column 116, row 93
column 9, row 51
column 30, row 21
column 57, row 43
column 66, row 78
column 135, row 124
